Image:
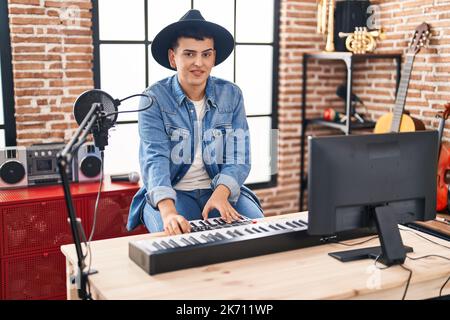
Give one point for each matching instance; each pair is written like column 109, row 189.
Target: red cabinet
column 33, row 226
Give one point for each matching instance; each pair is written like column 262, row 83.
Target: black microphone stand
column 94, row 117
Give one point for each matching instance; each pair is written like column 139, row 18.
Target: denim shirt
column 168, row 136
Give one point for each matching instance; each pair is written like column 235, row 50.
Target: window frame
column 275, row 69
column 7, row 78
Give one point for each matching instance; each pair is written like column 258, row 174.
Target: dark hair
column 193, row 33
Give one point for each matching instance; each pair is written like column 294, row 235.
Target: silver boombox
column 42, row 164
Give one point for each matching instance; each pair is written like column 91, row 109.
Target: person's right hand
column 175, row 223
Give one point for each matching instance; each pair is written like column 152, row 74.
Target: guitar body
column 408, row 124
column 398, row 121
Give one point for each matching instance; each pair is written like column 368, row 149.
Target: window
column 2, row 118
column 7, row 121
column 124, row 66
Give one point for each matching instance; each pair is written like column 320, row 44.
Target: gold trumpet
column 325, row 22
column 362, row 41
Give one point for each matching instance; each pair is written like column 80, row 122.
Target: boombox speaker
column 87, row 163
column 13, row 167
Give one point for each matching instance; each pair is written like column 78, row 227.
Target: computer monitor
column 373, row 180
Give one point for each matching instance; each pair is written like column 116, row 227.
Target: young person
column 194, row 141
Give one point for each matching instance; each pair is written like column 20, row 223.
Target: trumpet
column 325, row 22
column 362, row 40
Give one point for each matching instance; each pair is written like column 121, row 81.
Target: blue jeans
column 190, row 205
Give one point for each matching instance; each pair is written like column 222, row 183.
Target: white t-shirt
column 196, row 177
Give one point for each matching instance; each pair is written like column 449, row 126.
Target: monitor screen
column 372, row 181
column 350, row 175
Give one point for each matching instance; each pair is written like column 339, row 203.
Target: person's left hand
column 219, row 201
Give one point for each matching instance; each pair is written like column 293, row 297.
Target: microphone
column 132, row 177
column 108, row 113
column 341, row 92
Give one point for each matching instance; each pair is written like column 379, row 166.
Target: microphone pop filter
column 84, row 103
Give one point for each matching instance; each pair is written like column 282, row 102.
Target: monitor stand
column 392, row 251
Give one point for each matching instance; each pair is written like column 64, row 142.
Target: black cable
column 135, row 95
column 428, row 256
column 443, row 286
column 375, row 263
column 411, row 258
column 401, row 265
column 357, row 243
column 102, row 156
column 438, row 256
column 129, row 111
column 419, row 235
column 408, row 281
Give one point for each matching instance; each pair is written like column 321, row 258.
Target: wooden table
column 307, row 273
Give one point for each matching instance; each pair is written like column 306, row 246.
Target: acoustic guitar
column 397, row 121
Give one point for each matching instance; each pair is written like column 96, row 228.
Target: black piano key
column 297, row 224
column 303, row 221
column 249, row 231
column 273, row 227
column 205, row 237
column 238, row 233
column 209, row 223
column 195, row 241
column 202, row 223
column 213, row 237
column 261, row 228
column 165, row 245
column 231, row 234
column 220, row 236
column 290, row 224
column 217, row 221
column 157, row 246
column 173, row 243
column 186, row 241
column 280, row 226
column 255, row 229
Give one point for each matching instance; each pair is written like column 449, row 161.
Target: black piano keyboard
column 214, row 241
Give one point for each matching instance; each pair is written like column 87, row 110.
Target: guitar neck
column 402, row 93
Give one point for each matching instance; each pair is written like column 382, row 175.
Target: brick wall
column 52, row 62
column 374, row 81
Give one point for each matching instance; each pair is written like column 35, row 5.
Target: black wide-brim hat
column 193, row 19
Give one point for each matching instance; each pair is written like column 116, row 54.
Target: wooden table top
column 307, row 273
